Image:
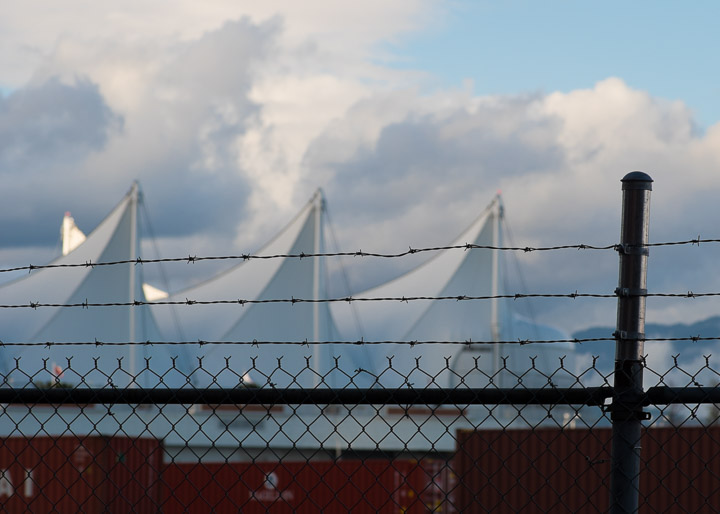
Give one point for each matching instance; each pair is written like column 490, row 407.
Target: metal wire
column 351, row 299
column 361, row 342
column 190, row 259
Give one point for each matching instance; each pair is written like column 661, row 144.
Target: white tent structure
column 115, row 239
column 473, row 272
column 456, row 273
column 284, row 365
column 284, row 362
column 70, row 234
column 71, row 237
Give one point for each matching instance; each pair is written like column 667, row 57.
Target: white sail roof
column 115, row 239
column 70, row 235
column 269, row 279
column 471, row 272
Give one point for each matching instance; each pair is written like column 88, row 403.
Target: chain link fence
column 261, row 449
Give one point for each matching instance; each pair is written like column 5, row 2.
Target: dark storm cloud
column 52, row 122
column 46, row 131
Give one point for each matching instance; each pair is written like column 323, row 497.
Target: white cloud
column 34, row 35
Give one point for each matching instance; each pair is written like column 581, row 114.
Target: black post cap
column 637, row 180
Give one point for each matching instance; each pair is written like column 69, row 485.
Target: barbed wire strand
column 360, row 342
column 350, row 299
column 190, row 259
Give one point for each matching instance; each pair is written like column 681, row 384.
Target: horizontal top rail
column 591, row 396
column 321, row 396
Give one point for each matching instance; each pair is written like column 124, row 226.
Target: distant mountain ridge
column 687, row 350
column 709, row 327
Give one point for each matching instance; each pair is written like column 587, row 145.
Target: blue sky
column 666, row 48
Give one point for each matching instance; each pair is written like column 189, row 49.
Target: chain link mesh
column 70, row 444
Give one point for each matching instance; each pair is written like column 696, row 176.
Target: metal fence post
column 626, row 410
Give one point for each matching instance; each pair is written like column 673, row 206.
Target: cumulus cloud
column 177, row 130
column 346, row 34
column 431, row 157
column 184, row 130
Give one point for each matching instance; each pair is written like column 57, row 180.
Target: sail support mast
column 494, row 305
column 318, row 201
column 133, row 257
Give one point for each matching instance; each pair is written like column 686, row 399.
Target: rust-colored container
column 80, row 474
column 553, row 470
column 373, row 485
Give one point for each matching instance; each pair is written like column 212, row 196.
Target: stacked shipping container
column 542, row 470
column 96, row 474
column 553, row 470
column 373, row 485
column 80, row 474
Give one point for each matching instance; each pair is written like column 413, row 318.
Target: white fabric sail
column 324, row 365
column 115, row 239
column 70, row 235
column 455, row 273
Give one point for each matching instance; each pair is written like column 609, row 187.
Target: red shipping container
column 80, row 474
column 553, row 470
column 373, row 485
